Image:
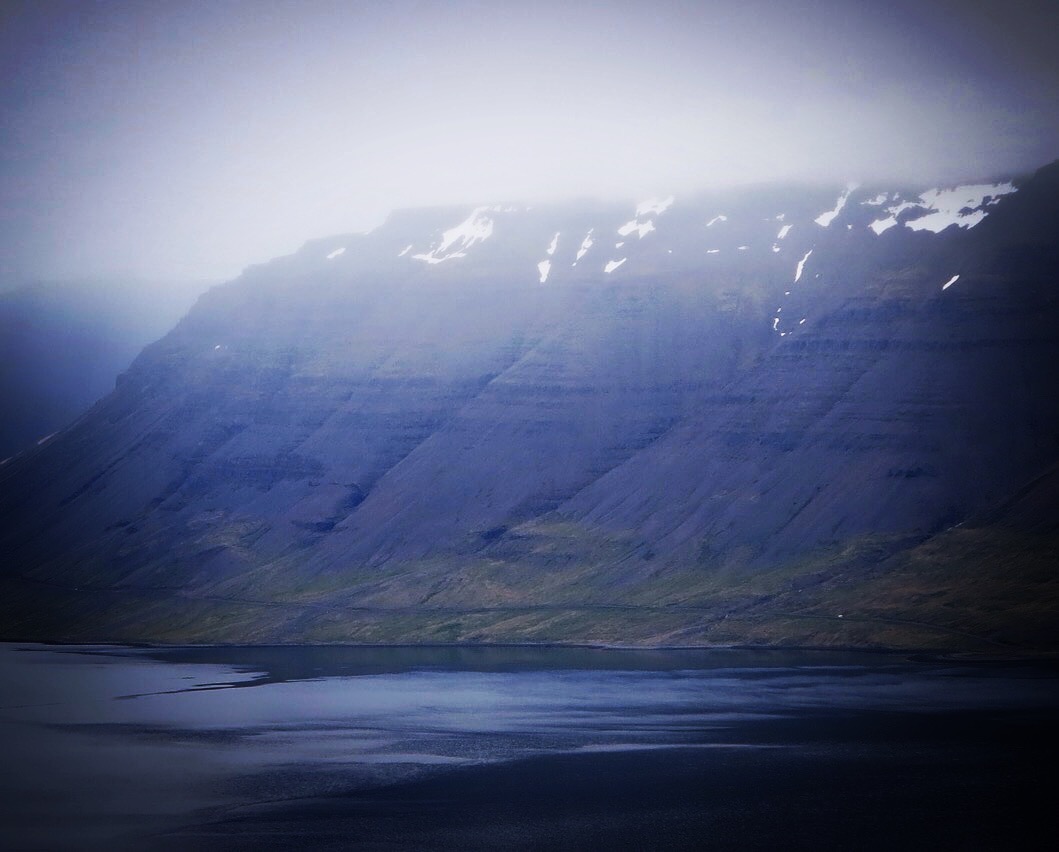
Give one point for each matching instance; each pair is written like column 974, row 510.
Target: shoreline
column 919, row 655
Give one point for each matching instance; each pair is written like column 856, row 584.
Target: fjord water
column 493, row 747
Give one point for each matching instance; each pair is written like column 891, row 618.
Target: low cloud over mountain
column 776, row 414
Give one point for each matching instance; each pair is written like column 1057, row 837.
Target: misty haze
column 457, row 425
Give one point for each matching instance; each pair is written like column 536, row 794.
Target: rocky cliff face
column 706, row 419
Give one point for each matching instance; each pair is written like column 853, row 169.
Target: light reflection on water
column 134, row 741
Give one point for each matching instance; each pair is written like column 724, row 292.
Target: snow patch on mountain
column 825, row 219
column 336, row 253
column 641, row 228
column 880, row 225
column 950, row 282
column 613, row 264
column 454, row 242
column 720, row 217
column 964, row 206
column 641, row 223
column 654, row 205
column 586, row 244
column 801, row 266
column 543, row 268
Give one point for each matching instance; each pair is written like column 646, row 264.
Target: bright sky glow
column 193, row 138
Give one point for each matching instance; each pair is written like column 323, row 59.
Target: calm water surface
column 488, row 748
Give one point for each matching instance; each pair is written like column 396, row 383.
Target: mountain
column 772, row 415
column 63, row 343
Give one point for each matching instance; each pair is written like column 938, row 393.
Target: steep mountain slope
column 711, row 419
column 63, row 343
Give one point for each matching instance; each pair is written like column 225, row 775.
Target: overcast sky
column 190, row 139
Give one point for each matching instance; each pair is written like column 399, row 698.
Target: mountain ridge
column 364, row 445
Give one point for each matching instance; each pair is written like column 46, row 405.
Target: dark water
column 495, row 748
